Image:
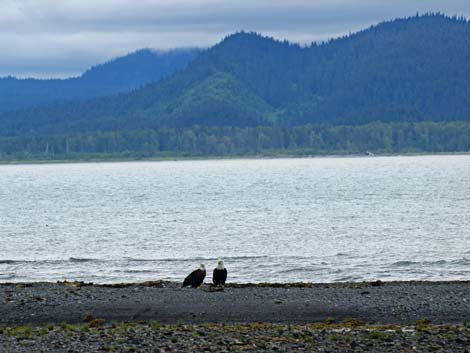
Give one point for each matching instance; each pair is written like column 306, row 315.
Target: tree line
column 231, row 141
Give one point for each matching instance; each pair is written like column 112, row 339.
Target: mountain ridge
column 405, row 70
column 121, row 74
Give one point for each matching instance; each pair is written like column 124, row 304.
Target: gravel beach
column 167, row 303
column 163, row 317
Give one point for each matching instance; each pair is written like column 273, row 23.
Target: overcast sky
column 60, row 38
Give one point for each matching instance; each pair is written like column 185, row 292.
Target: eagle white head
column 220, row 264
column 202, row 267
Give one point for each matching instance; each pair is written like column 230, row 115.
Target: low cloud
column 56, row 38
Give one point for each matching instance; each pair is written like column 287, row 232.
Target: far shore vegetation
column 201, row 142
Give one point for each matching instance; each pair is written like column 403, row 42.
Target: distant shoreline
column 119, row 159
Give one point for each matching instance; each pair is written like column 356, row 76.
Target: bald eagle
column 195, row 278
column 219, row 276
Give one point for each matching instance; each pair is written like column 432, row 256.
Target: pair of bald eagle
column 196, row 278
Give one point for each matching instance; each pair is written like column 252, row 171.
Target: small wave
column 15, row 262
column 462, row 261
column 126, row 259
column 312, row 268
column 47, row 261
column 83, row 259
column 196, row 259
column 5, row 277
column 347, row 279
column 136, row 271
column 341, row 254
column 438, row 262
column 405, row 263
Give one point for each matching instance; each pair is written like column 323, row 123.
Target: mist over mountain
column 121, row 74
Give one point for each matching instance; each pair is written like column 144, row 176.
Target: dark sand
column 167, row 303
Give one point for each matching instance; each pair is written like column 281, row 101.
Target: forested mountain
column 122, row 74
column 402, row 85
column 414, row 69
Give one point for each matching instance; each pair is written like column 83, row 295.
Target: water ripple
column 311, row 219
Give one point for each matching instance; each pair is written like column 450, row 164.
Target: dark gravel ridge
column 167, row 303
column 350, row 336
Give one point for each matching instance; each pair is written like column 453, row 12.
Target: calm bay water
column 280, row 220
